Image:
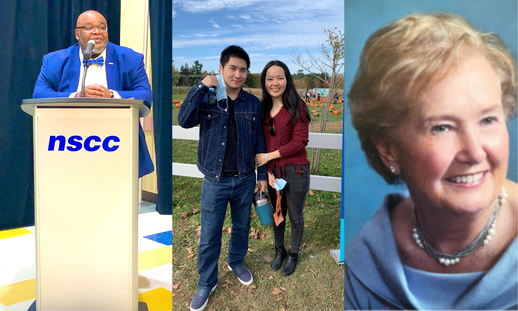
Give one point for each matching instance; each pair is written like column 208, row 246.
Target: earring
column 393, row 168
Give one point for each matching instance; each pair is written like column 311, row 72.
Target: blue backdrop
column 362, row 188
column 31, row 29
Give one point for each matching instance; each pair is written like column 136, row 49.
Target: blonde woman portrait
column 430, row 102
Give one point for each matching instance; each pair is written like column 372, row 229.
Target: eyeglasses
column 272, row 130
column 89, row 28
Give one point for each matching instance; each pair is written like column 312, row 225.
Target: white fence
column 316, row 140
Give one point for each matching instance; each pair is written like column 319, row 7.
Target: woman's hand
column 271, row 180
column 260, row 159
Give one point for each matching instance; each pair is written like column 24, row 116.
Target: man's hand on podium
column 95, row 90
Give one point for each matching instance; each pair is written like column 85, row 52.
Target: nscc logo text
column 90, row 143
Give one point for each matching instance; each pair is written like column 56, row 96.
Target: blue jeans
column 215, row 197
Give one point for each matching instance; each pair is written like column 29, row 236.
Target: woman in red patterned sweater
column 285, row 126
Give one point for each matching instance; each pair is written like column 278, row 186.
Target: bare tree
column 325, row 68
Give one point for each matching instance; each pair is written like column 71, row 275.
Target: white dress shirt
column 96, row 75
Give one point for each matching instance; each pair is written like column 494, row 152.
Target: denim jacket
column 213, row 123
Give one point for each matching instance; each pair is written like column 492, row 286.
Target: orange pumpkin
column 178, row 105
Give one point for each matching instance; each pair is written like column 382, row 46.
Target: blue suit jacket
column 125, row 73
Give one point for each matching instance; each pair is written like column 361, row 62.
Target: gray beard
column 97, row 51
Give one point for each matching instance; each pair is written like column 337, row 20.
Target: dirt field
column 331, row 126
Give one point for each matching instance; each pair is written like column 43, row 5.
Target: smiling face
column 453, row 146
column 234, row 73
column 275, row 82
column 96, row 20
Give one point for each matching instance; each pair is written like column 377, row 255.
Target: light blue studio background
column 363, row 189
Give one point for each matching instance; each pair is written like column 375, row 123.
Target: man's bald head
column 89, row 15
column 91, row 25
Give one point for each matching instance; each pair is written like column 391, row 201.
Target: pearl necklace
column 450, row 259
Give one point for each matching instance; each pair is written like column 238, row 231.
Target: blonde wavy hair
column 399, row 61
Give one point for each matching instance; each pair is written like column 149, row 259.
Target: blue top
column 376, row 279
column 213, row 120
column 428, row 288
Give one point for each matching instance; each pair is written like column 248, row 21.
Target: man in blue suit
column 114, row 72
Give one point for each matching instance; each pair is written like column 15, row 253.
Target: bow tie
column 99, row 61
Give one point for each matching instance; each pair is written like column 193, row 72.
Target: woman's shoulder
column 379, row 224
column 302, row 112
column 301, row 104
column 373, row 252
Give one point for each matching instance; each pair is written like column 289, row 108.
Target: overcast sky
column 266, row 29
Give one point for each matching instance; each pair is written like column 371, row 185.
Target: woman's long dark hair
column 290, row 98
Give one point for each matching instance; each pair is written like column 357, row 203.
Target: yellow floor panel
column 14, row 232
column 155, row 257
column 18, row 283
column 18, row 292
column 159, row 299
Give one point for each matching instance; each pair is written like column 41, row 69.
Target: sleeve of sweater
column 299, row 139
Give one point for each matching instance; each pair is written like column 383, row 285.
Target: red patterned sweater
column 290, row 139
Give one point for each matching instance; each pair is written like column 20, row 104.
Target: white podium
column 86, row 202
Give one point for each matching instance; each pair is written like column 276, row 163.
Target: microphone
column 87, row 54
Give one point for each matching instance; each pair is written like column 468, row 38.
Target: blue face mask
column 221, row 91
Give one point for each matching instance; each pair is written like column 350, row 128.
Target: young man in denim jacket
column 230, row 137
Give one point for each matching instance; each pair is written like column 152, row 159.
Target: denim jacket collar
column 213, row 132
column 241, row 95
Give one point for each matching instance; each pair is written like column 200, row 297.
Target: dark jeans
column 293, row 200
column 215, row 197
